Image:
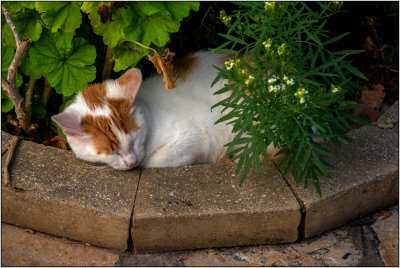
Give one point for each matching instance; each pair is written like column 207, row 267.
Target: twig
column 28, row 98
column 108, row 64
column 46, row 92
column 9, row 86
column 10, row 22
column 139, row 44
column 10, row 152
column 160, row 62
column 386, row 67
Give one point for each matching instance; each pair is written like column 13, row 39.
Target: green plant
column 288, row 89
column 73, row 43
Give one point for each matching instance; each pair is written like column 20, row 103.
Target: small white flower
column 301, row 93
column 229, row 64
column 290, row 82
column 271, row 80
column 336, row 89
column 273, row 89
column 269, row 5
column 226, row 20
column 281, row 49
column 266, row 45
column 249, row 80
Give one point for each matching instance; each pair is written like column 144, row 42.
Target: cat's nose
column 130, row 162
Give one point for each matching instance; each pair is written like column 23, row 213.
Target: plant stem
column 28, row 98
column 46, row 92
column 9, row 86
column 108, row 64
column 7, row 159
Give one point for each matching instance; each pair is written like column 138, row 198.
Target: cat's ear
column 130, row 83
column 69, row 123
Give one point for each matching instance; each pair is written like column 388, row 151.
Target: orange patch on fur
column 99, row 128
column 225, row 159
column 128, row 77
column 183, row 67
column 120, row 115
column 94, row 95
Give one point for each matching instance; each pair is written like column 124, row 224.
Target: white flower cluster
column 281, row 49
column 267, row 44
column 226, row 20
column 229, row 64
column 269, row 5
column 288, row 81
column 336, row 89
column 274, row 88
column 249, row 80
column 301, row 93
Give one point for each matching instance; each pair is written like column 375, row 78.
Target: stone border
column 196, row 206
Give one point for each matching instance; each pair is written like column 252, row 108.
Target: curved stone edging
column 196, row 206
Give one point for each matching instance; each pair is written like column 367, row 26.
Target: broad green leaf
column 16, row 6
column 64, row 61
column 112, row 31
column 6, row 103
column 176, row 10
column 148, row 29
column 28, row 25
column 92, row 8
column 126, row 57
column 61, row 15
column 28, row 68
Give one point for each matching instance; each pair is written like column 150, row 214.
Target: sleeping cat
column 117, row 124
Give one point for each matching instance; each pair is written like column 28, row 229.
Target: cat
column 117, row 124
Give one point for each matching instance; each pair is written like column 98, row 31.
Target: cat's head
column 102, row 124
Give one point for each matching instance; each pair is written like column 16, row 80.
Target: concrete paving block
column 365, row 179
column 202, row 206
column 25, row 247
column 67, row 197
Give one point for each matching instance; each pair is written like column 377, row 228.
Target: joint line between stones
column 301, row 204
column 130, row 238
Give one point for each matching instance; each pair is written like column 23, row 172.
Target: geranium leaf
column 28, row 68
column 67, row 63
column 176, row 10
column 15, row 6
column 60, row 15
column 148, row 29
column 126, row 57
column 6, row 103
column 91, row 8
column 28, row 25
column 112, row 31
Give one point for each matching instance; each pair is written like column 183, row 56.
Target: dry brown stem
column 9, row 86
column 162, row 63
column 7, row 159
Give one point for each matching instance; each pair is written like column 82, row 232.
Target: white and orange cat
column 126, row 123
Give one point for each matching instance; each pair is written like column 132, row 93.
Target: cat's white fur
column 176, row 127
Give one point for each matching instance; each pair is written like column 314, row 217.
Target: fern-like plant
column 288, row 88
